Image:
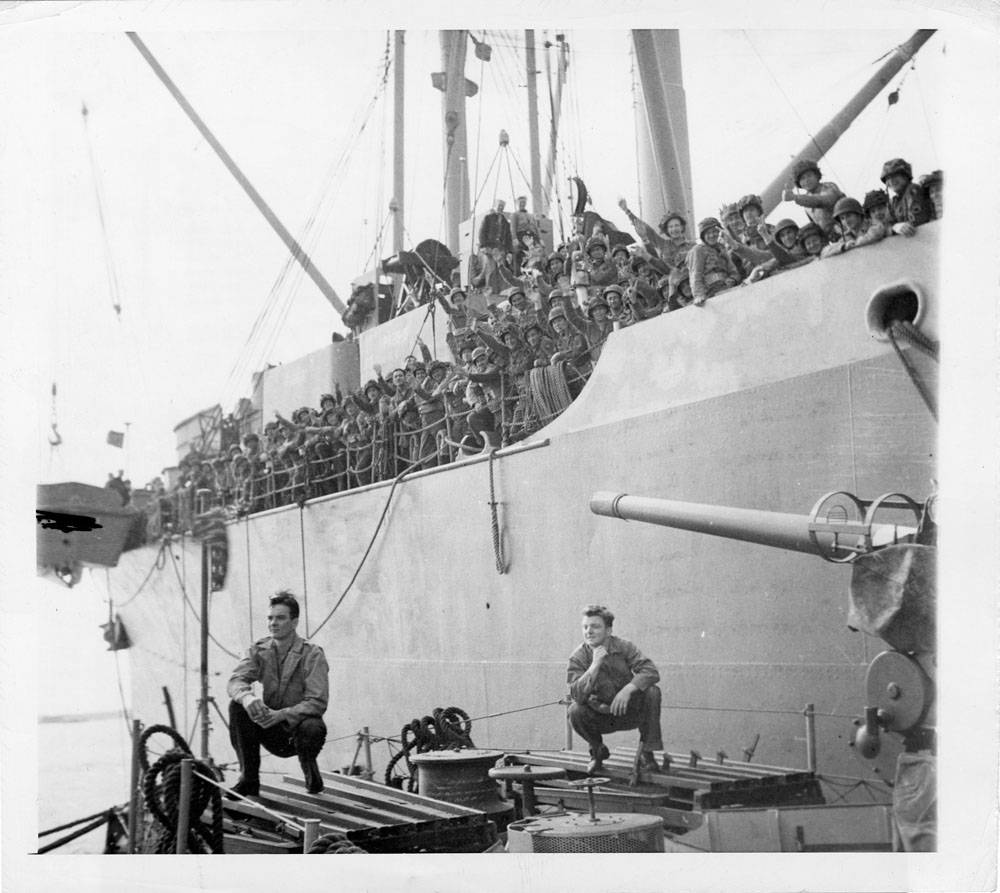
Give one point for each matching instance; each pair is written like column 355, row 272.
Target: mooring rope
column 162, row 797
column 923, row 344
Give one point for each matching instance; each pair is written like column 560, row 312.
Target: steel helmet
column 707, row 224
column 896, row 166
column 875, row 198
column 803, row 167
column 638, row 262
column 556, row 312
column 597, row 302
column 615, row 289
column 329, row 397
column 728, row 209
column 847, row 205
column 810, row 229
column 371, row 383
column 671, row 215
column 750, row 201
column 594, row 242
column 623, row 249
column 784, row 224
column 509, row 293
column 437, row 364
column 456, row 291
column 479, row 352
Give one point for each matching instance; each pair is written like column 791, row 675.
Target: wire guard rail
column 522, row 405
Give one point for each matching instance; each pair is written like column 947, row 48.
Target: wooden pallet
column 706, row 785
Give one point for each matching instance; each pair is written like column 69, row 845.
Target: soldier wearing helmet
column 933, row 185
column 876, row 207
column 670, row 243
column 601, row 270
column 817, row 197
column 711, row 268
column 597, row 326
column 856, row 230
column 908, row 204
column 811, row 239
column 569, row 344
column 751, row 208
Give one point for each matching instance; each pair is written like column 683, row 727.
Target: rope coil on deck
column 161, row 794
column 447, row 728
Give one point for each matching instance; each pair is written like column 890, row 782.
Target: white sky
column 195, row 261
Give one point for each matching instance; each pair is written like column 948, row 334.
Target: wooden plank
column 382, row 791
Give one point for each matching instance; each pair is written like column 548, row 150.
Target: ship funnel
column 840, row 527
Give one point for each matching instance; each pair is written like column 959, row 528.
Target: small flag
column 116, row 439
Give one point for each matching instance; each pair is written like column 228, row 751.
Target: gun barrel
column 776, row 529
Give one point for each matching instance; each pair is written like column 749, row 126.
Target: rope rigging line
column 498, row 555
column 305, row 584
column 112, row 273
column 385, row 510
column 159, row 562
column 791, row 105
column 250, row 354
column 187, row 601
column 898, row 330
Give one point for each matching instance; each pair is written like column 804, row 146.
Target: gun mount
column 892, row 591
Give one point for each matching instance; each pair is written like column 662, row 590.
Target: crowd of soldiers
column 526, row 334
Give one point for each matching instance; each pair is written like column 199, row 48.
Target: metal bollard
column 133, row 797
column 184, row 806
column 310, row 833
column 569, row 726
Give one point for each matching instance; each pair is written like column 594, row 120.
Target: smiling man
column 288, row 718
column 613, row 687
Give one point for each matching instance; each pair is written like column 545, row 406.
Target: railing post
column 369, row 771
column 184, row 806
column 810, row 715
column 310, row 833
column 569, row 726
column 133, row 797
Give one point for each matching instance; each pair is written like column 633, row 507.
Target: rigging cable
column 385, row 510
column 791, row 105
column 187, row 601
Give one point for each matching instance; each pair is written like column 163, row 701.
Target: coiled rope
column 334, row 845
column 447, row 728
column 161, row 795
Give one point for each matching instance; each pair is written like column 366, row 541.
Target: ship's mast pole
column 456, row 178
column 661, row 125
column 398, row 171
column 533, row 148
column 556, row 100
column 203, row 701
column 820, row 144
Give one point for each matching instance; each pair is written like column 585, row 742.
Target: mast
column 661, row 125
column 820, row 144
column 556, row 106
column 398, row 133
column 297, row 251
column 456, row 176
column 536, row 161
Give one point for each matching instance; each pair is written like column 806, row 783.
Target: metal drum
column 608, row 833
column 462, row 776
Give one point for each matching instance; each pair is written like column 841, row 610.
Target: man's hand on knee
column 270, row 717
column 619, row 706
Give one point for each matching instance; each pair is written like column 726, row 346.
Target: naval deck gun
column 892, row 592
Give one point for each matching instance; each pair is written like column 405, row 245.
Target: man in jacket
column 613, row 688
column 288, row 717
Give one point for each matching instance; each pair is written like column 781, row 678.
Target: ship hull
column 766, row 398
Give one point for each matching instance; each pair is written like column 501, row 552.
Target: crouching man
column 613, row 688
column 288, row 719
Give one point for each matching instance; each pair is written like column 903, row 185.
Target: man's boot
column 248, row 785
column 310, row 772
column 597, row 758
